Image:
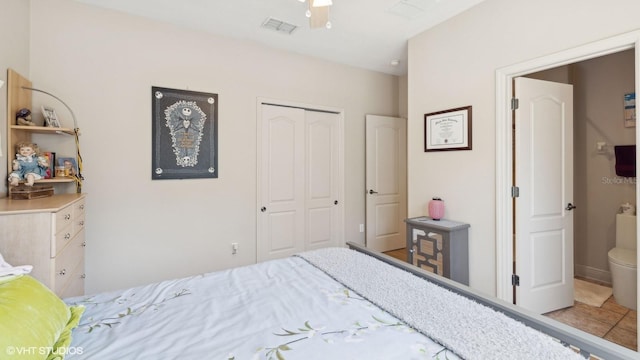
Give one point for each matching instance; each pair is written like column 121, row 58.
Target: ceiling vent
column 279, row 26
column 411, row 9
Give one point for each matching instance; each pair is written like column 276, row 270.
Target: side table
column 439, row 246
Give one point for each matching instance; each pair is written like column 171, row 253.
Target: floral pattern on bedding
column 356, row 332
column 281, row 310
column 91, row 323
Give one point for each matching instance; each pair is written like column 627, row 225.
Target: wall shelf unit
column 19, row 96
column 46, row 232
column 42, row 129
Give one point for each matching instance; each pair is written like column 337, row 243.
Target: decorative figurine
column 28, row 165
column 23, row 117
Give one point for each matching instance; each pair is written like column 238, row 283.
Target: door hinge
column 515, row 191
column 515, row 280
column 515, row 103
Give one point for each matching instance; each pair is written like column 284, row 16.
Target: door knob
column 570, row 206
column 371, row 192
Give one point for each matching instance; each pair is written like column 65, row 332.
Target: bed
column 334, row 303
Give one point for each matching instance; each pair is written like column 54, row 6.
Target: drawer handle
column 82, row 207
column 82, row 223
column 83, row 276
column 67, row 216
column 84, row 244
column 63, row 272
column 67, row 236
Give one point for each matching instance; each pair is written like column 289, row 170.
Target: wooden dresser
column 47, row 233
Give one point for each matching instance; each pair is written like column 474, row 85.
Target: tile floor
column 611, row 321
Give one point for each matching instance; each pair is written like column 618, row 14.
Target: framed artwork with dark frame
column 448, row 130
column 185, row 134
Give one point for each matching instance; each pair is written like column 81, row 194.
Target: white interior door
column 281, row 217
column 323, row 205
column 543, row 210
column 386, row 181
column 300, row 179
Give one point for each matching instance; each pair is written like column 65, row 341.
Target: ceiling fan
column 318, row 13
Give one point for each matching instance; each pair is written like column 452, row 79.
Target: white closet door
column 300, row 181
column 323, row 208
column 281, row 217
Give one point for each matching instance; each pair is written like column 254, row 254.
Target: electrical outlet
column 234, row 248
column 361, row 227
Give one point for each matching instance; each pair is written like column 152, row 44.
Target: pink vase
column 436, row 208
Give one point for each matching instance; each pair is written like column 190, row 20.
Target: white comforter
column 283, row 309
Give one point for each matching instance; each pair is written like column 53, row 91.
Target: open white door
column 386, row 181
column 543, row 209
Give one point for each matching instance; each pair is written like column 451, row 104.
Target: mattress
column 332, row 303
column 281, row 309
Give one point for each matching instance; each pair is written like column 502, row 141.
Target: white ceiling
column 369, row 34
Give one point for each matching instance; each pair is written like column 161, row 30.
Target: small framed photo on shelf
column 50, row 117
column 51, row 164
column 66, row 166
column 448, row 130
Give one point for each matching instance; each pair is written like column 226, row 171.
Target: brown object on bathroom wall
column 625, row 160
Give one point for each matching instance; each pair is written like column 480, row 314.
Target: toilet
column 622, row 262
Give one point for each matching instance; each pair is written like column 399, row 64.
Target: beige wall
column 403, row 103
column 103, row 64
column 454, row 65
column 14, row 53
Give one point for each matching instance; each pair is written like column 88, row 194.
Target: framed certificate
column 448, row 130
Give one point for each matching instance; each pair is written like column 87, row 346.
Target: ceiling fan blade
column 319, row 16
column 319, row 3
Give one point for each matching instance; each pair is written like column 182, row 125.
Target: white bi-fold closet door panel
column 300, row 181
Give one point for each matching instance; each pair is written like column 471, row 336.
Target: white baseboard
column 592, row 273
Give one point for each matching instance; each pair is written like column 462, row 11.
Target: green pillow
column 33, row 320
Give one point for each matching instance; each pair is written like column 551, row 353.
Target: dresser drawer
column 67, row 261
column 64, row 217
column 62, row 239
column 75, row 285
column 78, row 208
column 78, row 223
column 69, row 221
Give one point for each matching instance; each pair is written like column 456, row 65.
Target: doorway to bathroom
column 602, row 73
column 600, row 186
